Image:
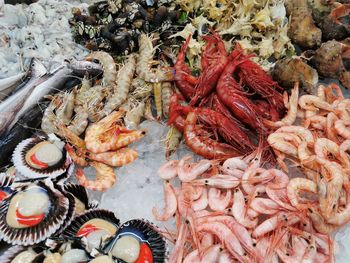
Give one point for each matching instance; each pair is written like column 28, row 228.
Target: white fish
column 8, row 84
column 10, row 106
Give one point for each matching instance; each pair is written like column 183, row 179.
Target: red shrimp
column 175, row 118
column 210, row 75
column 231, row 95
column 184, row 80
column 203, row 145
column 253, row 76
column 231, row 133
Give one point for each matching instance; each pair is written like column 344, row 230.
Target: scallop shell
column 22, row 166
column 145, row 232
column 52, row 221
column 80, row 193
column 9, row 255
column 6, row 180
column 72, row 230
column 93, row 235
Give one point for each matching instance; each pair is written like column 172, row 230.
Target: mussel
column 39, row 157
column 137, row 240
column 33, row 212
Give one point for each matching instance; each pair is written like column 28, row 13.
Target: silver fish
column 55, row 82
column 81, row 67
column 7, row 85
column 11, row 105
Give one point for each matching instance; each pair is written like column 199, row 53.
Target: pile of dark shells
column 115, row 25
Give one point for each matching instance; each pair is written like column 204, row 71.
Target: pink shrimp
column 170, row 203
column 239, row 210
column 219, row 200
column 187, row 172
column 264, row 206
column 168, row 170
column 218, row 181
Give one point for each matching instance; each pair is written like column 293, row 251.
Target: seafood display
column 226, row 94
column 222, row 102
column 40, row 30
column 116, row 26
column 238, row 211
column 323, row 35
column 319, row 146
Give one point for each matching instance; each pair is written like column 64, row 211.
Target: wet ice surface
column 138, row 188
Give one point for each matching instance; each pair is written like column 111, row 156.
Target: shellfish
column 33, row 213
column 95, row 227
column 137, row 241
column 20, row 254
column 80, row 195
column 38, row 157
column 6, row 180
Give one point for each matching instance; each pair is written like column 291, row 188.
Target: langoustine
column 251, row 227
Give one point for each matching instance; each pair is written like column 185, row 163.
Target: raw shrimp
column 157, row 94
column 205, row 146
column 324, row 147
column 218, row 181
column 218, row 200
column 192, row 257
column 211, row 254
column 282, row 146
column 313, row 103
column 95, row 103
column 121, row 90
column 77, row 158
column 297, row 185
column 167, row 92
column 133, row 116
column 264, row 206
column 168, row 170
column 145, row 60
column 319, row 222
column 116, row 158
column 64, row 112
column 302, row 132
column 280, row 197
column 71, row 137
column 172, row 141
column 202, row 201
column 178, row 250
column 239, row 210
column 234, row 163
column 330, row 130
column 343, row 110
column 109, row 68
column 187, row 172
column 48, row 122
column 80, row 121
column 291, row 115
column 274, row 222
column 170, row 203
column 140, row 89
column 105, row 177
column 226, row 237
column 342, row 130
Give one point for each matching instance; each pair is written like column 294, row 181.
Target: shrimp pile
column 223, row 104
column 320, row 147
column 104, row 146
column 237, row 212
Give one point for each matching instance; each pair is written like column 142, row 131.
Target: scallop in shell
column 38, row 157
column 95, row 227
column 32, row 213
column 138, row 240
column 6, row 180
column 80, row 195
column 20, row 254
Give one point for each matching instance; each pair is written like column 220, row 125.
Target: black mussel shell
column 31, row 172
column 72, row 230
column 10, row 254
column 80, row 193
column 145, row 232
column 50, row 223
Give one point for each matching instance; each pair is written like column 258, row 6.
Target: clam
column 32, row 213
column 137, row 240
column 81, row 198
column 95, row 227
column 20, row 254
column 39, row 157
